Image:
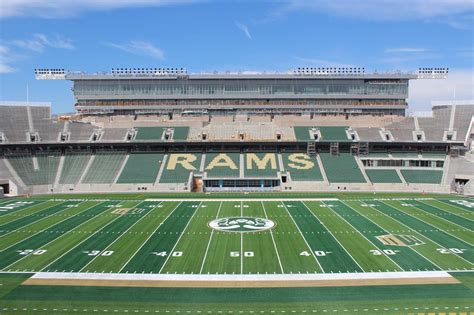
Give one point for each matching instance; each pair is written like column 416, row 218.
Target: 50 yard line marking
column 273, row 239
column 304, row 239
column 210, row 239
column 182, row 233
column 151, row 234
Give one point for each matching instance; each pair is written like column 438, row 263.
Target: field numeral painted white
column 246, row 254
column 99, row 253
column 450, row 250
column 32, row 251
column 318, row 253
column 164, row 254
column 389, row 252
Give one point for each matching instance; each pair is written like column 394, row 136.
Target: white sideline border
column 243, row 277
column 245, row 199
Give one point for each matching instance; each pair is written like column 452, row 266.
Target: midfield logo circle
column 241, row 224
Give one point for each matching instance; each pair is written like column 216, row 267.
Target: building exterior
column 303, row 90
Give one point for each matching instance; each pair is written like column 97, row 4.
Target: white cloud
column 40, row 41
column 5, row 60
column 64, row 8
column 138, row 47
column 383, row 10
column 244, row 29
column 422, row 92
column 405, row 50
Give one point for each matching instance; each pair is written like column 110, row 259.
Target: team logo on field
column 241, row 224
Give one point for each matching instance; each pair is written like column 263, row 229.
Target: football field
column 227, row 238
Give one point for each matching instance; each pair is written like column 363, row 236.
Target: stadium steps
column 321, row 168
column 160, row 171
column 203, row 163
column 362, row 169
column 105, row 167
column 280, row 163
column 121, row 168
column 86, row 169
column 399, row 173
column 140, row 168
column 59, row 172
column 73, row 168
column 14, row 173
column 242, row 166
column 447, row 162
column 451, row 117
column 342, row 168
column 310, row 174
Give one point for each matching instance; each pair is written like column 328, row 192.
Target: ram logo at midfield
column 241, row 224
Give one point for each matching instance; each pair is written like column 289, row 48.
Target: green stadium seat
column 179, row 166
column 44, row 175
column 222, row 165
column 104, row 168
column 140, row 168
column 302, row 167
column 342, row 168
column 422, row 176
column 260, row 165
column 383, row 176
column 73, row 167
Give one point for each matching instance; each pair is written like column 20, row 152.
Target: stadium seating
column 179, row 166
column 422, row 176
column 104, row 168
column 73, row 167
column 302, row 167
column 342, row 168
column 333, row 133
column 45, row 172
column 222, row 165
column 260, row 165
column 405, row 154
column 114, row 134
column 141, row 167
column 383, row 176
column 157, row 133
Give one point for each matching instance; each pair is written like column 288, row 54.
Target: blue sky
column 96, row 35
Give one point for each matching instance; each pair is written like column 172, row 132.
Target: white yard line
column 40, row 231
column 447, row 212
column 273, row 240
column 121, row 234
column 151, row 234
column 381, row 251
column 210, row 239
column 182, row 233
column 327, row 229
column 412, row 229
column 304, row 239
column 100, row 229
column 388, row 231
column 55, row 239
column 37, row 221
column 443, row 230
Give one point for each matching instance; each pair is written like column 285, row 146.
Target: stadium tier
column 162, row 145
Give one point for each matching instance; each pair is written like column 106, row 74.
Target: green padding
column 141, row 168
column 178, row 173
column 251, row 167
column 422, row 176
column 221, row 170
column 104, row 168
column 405, row 154
column 307, row 170
column 44, row 175
column 383, row 176
column 74, row 165
column 342, row 168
